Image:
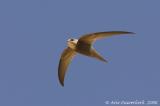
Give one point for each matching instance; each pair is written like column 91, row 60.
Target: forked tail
column 96, row 55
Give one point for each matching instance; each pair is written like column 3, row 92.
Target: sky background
column 33, row 34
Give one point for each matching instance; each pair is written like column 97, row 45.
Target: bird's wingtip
column 62, row 84
column 105, row 61
column 131, row 32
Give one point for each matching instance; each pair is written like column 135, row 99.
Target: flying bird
column 83, row 45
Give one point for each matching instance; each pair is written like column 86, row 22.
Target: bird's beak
column 68, row 40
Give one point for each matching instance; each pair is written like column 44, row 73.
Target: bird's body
column 84, row 49
column 83, row 45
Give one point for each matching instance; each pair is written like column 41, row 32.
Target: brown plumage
column 83, row 45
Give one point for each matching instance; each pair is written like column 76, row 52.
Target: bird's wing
column 65, row 59
column 90, row 38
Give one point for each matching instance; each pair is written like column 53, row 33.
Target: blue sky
column 33, row 34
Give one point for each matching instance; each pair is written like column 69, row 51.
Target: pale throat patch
column 72, row 44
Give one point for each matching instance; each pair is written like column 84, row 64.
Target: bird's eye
column 72, row 39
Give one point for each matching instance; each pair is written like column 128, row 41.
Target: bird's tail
column 96, row 55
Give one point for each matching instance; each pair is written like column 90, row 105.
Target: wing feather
column 64, row 62
column 90, row 38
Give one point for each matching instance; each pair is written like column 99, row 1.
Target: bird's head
column 72, row 43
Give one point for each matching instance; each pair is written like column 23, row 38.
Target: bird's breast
column 83, row 48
